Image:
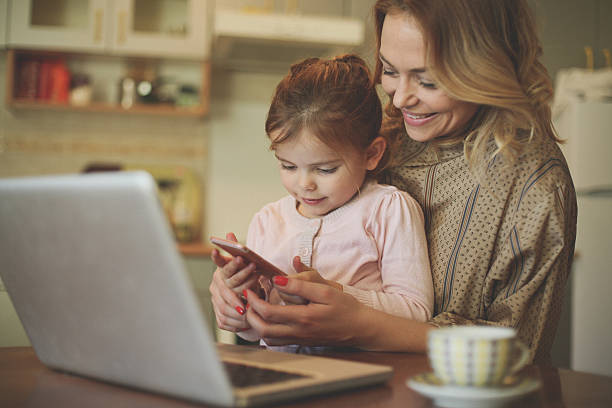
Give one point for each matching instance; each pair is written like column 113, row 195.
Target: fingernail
column 248, row 305
column 280, row 280
column 244, row 293
column 240, row 310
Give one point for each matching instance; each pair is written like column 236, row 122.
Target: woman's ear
column 375, row 152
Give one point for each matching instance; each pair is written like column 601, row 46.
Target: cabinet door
column 59, row 24
column 165, row 28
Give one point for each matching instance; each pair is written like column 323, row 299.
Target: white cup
column 476, row 355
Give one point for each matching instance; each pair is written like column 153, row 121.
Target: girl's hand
column 306, row 274
column 311, row 275
column 230, row 279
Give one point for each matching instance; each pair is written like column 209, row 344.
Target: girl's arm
column 397, row 226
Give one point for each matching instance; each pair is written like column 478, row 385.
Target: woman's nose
column 405, row 94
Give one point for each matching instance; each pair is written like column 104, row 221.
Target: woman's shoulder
column 542, row 163
column 537, row 172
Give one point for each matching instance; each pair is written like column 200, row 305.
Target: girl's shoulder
column 387, row 196
column 277, row 208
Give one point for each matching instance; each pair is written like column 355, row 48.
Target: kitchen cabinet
column 78, row 25
column 160, row 28
column 106, row 76
column 271, row 37
column 162, row 44
column 176, row 28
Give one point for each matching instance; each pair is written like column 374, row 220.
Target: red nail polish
column 240, row 310
column 248, row 305
column 244, row 293
column 280, row 280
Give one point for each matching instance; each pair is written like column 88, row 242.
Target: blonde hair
column 485, row 52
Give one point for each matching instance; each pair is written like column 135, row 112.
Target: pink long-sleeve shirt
column 374, row 246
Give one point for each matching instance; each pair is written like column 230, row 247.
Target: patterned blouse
column 501, row 237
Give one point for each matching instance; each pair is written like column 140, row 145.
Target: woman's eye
column 389, row 72
column 428, row 85
column 327, row 171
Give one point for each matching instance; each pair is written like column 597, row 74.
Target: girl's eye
column 287, row 166
column 327, row 171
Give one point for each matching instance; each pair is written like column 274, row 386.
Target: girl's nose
column 307, row 183
column 405, row 94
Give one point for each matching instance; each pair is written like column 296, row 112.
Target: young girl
column 363, row 238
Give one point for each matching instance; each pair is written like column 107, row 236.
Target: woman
column 470, row 98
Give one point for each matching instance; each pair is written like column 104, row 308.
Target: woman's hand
column 330, row 317
column 230, row 279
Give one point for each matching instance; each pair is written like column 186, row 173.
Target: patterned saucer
column 455, row 396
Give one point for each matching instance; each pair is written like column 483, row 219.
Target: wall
column 228, row 149
column 567, row 26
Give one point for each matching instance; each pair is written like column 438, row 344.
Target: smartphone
column 236, row 249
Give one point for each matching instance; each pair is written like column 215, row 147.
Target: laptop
column 92, row 268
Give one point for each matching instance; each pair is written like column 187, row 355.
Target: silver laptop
column 91, row 266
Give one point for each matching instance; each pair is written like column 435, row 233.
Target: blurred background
column 181, row 88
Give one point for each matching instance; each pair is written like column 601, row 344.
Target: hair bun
column 349, row 59
column 302, row 65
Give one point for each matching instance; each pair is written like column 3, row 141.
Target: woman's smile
column 417, row 119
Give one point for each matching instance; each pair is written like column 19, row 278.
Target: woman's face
column 427, row 110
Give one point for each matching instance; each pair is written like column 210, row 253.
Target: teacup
column 476, row 355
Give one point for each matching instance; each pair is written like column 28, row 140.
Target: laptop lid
column 91, row 266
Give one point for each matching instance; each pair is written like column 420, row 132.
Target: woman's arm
column 229, row 279
column 526, row 281
column 332, row 318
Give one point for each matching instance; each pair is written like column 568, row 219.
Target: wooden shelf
column 153, row 109
column 199, row 110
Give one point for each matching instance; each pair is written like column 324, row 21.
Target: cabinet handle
column 98, row 26
column 122, row 27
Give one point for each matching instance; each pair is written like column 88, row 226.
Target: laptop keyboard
column 242, row 375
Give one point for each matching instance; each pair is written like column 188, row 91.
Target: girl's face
column 317, row 176
column 427, row 110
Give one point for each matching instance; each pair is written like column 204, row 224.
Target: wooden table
column 25, row 382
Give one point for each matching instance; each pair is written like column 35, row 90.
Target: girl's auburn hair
column 334, row 99
column 485, row 52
